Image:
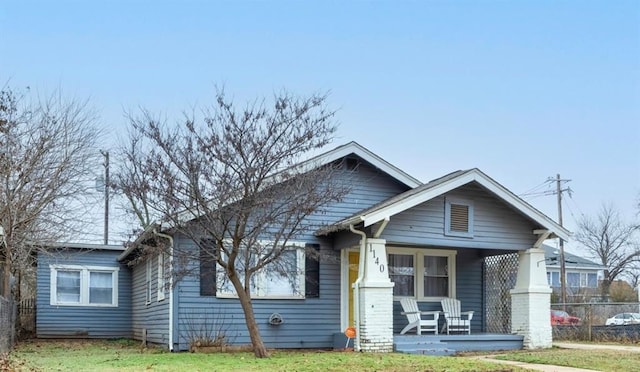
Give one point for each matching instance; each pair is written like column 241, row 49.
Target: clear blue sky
column 520, row 89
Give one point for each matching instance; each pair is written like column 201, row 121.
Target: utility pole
column 563, row 270
column 106, row 196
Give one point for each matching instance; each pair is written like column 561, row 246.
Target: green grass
column 601, row 360
column 123, row 355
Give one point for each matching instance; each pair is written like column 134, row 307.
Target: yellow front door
column 354, row 259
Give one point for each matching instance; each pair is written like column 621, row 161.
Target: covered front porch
column 431, row 243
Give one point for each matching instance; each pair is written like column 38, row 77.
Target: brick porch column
column 530, row 301
column 376, row 300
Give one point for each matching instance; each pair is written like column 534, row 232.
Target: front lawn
column 125, row 355
column 601, row 360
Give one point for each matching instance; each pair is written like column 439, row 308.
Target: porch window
column 458, row 217
column 401, row 272
column 435, row 269
column 283, row 278
column 75, row 285
column 436, row 276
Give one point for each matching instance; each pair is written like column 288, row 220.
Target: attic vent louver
column 458, row 218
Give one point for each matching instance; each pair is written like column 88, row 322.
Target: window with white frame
column 161, row 276
column 458, row 217
column 402, row 273
column 427, row 274
column 283, row 278
column 589, row 280
column 553, row 278
column 573, row 280
column 147, row 281
column 75, row 285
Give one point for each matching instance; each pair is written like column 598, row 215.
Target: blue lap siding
column 56, row 321
column 149, row 317
column 309, row 322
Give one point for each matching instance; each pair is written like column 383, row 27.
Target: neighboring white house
column 582, row 274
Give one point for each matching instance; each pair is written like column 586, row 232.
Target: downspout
column 356, row 285
column 170, row 238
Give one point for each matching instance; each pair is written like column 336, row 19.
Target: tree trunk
column 259, row 349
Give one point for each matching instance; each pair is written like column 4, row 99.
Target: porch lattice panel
column 499, row 277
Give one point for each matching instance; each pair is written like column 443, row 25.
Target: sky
column 522, row 90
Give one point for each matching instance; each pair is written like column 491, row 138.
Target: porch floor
column 429, row 344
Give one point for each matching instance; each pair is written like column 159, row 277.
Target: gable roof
column 571, row 261
column 355, row 148
column 440, row 186
column 311, row 163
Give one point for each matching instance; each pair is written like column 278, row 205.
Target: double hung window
column 427, row 274
column 74, row 285
column 282, row 278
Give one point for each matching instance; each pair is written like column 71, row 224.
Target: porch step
column 423, row 347
column 451, row 344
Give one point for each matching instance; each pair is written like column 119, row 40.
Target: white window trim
column 261, row 276
column 148, row 281
column 161, row 276
column 447, row 217
column 418, row 259
column 84, row 284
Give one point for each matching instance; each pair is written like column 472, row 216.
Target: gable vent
column 459, row 218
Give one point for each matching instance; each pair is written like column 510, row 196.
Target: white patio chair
column 414, row 316
column 455, row 320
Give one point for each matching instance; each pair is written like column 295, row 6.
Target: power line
column 533, row 190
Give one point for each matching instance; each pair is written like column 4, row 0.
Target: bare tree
column 46, row 149
column 230, row 183
column 611, row 240
column 130, row 181
column 633, row 274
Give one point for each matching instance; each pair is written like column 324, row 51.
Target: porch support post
column 530, row 301
column 376, row 300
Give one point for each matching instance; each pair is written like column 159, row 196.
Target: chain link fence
column 7, row 324
column 598, row 322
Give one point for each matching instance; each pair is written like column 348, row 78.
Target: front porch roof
column 440, row 186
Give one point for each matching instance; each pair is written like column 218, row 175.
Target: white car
column 624, row 319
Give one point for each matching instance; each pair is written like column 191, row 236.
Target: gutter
column 356, row 285
column 133, row 246
column 170, row 238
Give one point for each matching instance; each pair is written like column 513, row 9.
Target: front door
column 354, row 259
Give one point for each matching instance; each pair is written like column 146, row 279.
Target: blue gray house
column 83, row 291
column 581, row 275
column 391, row 237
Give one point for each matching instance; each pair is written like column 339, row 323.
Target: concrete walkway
column 565, row 345
column 532, row 366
